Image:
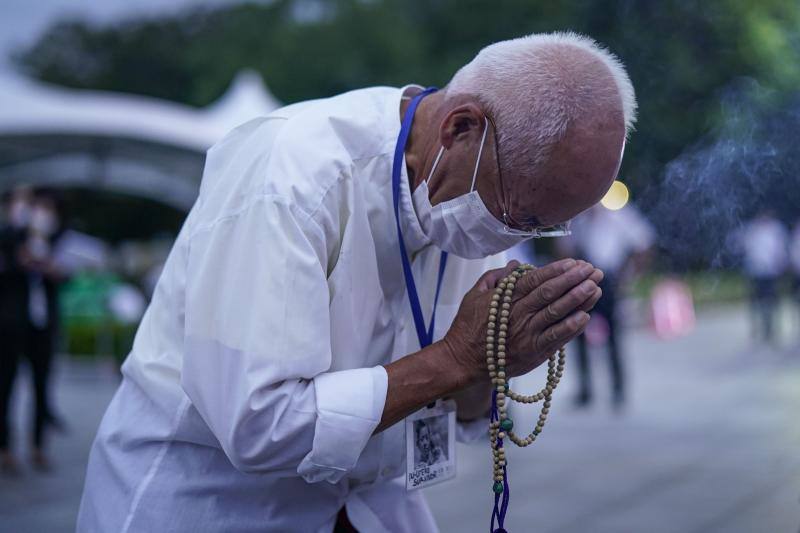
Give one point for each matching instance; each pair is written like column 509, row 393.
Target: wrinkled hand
column 549, row 308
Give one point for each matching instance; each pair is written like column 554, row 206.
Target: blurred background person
column 13, row 304
column 617, row 241
column 764, row 244
column 43, row 275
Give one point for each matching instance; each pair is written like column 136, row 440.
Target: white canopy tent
column 127, row 143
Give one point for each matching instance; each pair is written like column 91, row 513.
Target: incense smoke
column 750, row 163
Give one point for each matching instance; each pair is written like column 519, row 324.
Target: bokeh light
column 616, row 197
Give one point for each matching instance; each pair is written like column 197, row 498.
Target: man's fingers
column 536, row 277
column 589, row 304
column 490, row 278
column 552, row 289
column 561, row 333
column 596, row 276
column 574, row 299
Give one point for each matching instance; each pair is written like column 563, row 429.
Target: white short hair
column 534, row 87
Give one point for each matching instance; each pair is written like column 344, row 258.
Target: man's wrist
column 419, row 379
column 460, row 376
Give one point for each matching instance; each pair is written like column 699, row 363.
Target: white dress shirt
column 255, row 381
column 764, row 242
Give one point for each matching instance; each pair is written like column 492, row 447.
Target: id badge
column 431, row 445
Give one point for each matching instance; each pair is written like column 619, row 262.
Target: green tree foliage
column 680, row 53
column 683, row 57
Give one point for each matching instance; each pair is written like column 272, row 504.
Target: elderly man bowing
column 292, row 330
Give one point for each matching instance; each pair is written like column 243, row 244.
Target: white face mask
column 463, row 226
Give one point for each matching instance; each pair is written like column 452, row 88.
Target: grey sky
column 23, row 21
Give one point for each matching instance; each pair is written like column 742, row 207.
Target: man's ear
column 460, row 123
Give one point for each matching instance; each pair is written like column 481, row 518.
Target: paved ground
column 37, row 502
column 708, row 444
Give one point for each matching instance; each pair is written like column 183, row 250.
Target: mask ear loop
column 435, row 162
column 477, row 163
column 480, row 151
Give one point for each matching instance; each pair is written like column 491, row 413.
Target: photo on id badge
column 430, row 446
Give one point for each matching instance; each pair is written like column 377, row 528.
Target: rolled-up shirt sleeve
column 257, row 350
column 349, row 407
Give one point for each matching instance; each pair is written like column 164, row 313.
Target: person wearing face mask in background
column 16, row 210
column 292, row 330
column 43, row 276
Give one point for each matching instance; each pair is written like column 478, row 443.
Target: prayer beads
column 501, row 425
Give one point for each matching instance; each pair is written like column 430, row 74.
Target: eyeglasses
column 531, row 228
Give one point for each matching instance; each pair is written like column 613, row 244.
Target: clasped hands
column 549, row 308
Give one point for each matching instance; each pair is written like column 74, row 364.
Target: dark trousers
column 796, row 293
column 607, row 307
column 764, row 302
column 37, row 345
column 39, row 351
column 11, row 341
column 343, row 524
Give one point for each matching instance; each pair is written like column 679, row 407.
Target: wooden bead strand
column 502, row 426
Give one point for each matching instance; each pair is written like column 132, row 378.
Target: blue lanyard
column 425, row 335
